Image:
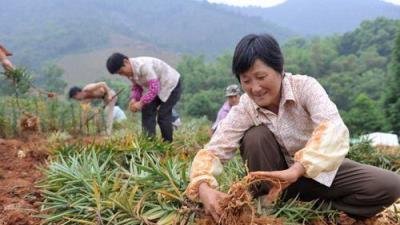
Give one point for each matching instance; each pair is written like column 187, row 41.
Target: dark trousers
column 163, row 112
column 358, row 189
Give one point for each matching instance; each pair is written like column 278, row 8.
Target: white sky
column 260, row 3
column 396, row 2
column 268, row 3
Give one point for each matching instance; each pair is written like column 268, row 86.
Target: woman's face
column 126, row 70
column 262, row 84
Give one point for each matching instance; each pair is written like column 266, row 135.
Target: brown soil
column 238, row 208
column 19, row 161
column 386, row 217
column 19, row 199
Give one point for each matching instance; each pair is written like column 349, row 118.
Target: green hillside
column 41, row 30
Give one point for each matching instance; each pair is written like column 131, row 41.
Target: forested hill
column 354, row 68
column 323, row 17
column 46, row 29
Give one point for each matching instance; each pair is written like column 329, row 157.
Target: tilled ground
column 19, row 199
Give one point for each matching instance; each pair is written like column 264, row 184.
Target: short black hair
column 252, row 47
column 115, row 62
column 73, row 91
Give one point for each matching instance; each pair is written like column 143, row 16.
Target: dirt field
column 19, row 199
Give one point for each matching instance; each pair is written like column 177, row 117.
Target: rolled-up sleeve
column 152, row 82
column 208, row 162
column 136, row 92
column 152, row 92
column 329, row 143
column 205, row 167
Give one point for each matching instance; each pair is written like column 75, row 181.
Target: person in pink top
column 156, row 88
column 232, row 93
column 287, row 128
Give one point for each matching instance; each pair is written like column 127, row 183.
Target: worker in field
column 8, row 66
column 5, row 62
column 100, row 91
column 232, row 94
column 287, row 128
column 156, row 88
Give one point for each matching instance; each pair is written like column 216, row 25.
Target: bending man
column 101, row 91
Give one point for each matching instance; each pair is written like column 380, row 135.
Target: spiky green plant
column 79, row 187
column 363, row 152
column 58, row 137
column 20, row 77
column 141, row 184
column 21, row 81
column 3, row 123
column 295, row 211
column 131, row 179
column 96, row 185
column 193, row 134
column 55, row 115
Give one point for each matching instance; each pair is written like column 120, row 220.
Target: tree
column 204, row 84
column 204, row 103
column 51, row 79
column 364, row 116
column 340, row 88
column 322, row 53
column 392, row 96
column 376, row 33
column 195, row 73
column 370, row 59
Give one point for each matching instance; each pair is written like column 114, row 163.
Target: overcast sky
column 396, row 2
column 267, row 3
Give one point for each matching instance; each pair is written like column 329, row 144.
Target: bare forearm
column 298, row 169
column 203, row 187
column 7, row 65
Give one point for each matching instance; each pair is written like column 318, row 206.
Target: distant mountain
column 81, row 68
column 41, row 30
column 322, row 17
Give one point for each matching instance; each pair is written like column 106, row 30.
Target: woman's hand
column 131, row 103
column 286, row 177
column 135, row 106
column 138, row 106
column 210, row 199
